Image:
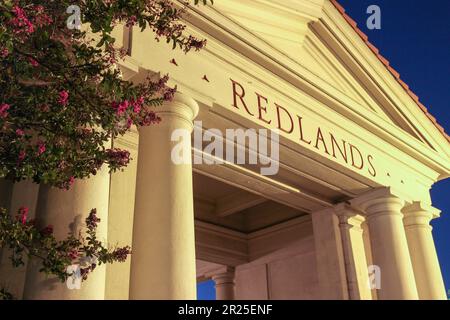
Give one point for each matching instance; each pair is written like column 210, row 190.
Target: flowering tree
column 62, row 97
column 23, row 237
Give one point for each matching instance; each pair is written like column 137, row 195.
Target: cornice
column 250, row 46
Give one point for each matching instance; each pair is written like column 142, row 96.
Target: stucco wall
column 288, row 273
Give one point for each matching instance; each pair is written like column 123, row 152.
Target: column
column 120, row 218
column 350, row 223
column 329, row 255
column 23, row 193
column 67, row 210
column 427, row 271
column 224, row 284
column 389, row 246
column 163, row 259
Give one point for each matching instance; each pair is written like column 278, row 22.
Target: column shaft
column 354, row 253
column 329, row 255
column 21, row 194
column 67, row 210
column 427, row 271
column 163, row 259
column 225, row 285
column 390, row 249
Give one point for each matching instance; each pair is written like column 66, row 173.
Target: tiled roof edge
column 394, row 73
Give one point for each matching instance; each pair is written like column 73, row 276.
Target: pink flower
column 136, row 108
column 23, row 214
column 4, row 52
column 73, row 254
column 150, row 118
column 41, row 148
column 118, row 157
column 42, row 19
column 68, row 183
column 48, row 230
column 121, row 107
column 63, row 97
column 4, row 107
column 20, row 21
column 121, row 254
column 20, row 132
column 137, row 105
column 131, row 21
column 44, row 108
column 129, row 122
column 20, row 13
column 92, row 220
column 169, row 94
column 161, row 84
column 33, row 62
column 22, row 155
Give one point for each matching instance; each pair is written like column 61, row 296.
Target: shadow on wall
column 206, row 290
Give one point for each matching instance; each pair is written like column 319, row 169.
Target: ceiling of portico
column 227, row 206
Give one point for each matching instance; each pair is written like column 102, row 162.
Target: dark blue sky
column 415, row 38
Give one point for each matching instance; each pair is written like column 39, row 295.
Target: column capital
column 224, row 274
column 182, row 106
column 224, row 280
column 379, row 201
column 349, row 215
column 419, row 214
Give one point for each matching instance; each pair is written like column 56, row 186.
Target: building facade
column 347, row 213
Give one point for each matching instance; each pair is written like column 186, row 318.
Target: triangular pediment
column 316, row 57
column 317, row 35
column 283, row 25
column 377, row 84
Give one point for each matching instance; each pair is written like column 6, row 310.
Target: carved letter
column 301, row 130
column 262, row 108
column 352, row 147
column 320, row 138
column 240, row 96
column 372, row 170
column 334, row 145
column 279, row 119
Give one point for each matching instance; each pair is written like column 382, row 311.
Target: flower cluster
column 150, row 118
column 4, row 107
column 24, row 237
column 92, row 220
column 118, row 158
column 42, row 18
column 63, row 97
column 20, row 21
column 121, row 254
column 134, row 105
column 23, row 215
